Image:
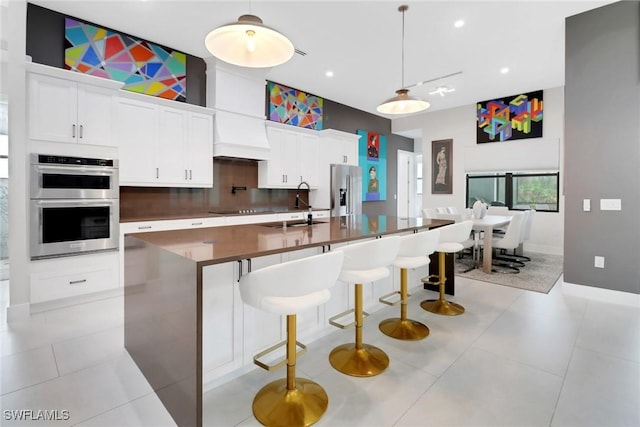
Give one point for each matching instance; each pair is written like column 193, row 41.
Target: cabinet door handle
column 73, row 131
column 196, row 223
column 81, row 128
column 185, row 175
column 191, row 174
column 77, row 282
column 145, row 227
column 157, row 173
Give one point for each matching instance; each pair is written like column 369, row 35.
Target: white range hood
column 241, row 136
column 238, row 96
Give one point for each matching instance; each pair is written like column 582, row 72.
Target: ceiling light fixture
column 329, row 73
column 441, row 90
column 402, row 103
column 459, row 23
column 504, row 70
column 249, row 43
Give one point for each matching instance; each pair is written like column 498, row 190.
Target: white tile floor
column 515, row 358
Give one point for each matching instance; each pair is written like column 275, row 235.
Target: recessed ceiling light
column 459, row 23
column 504, row 70
column 329, row 73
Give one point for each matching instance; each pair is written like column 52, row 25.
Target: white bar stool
column 451, row 238
column 414, row 252
column 289, row 288
column 363, row 263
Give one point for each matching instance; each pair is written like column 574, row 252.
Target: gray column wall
column 602, row 146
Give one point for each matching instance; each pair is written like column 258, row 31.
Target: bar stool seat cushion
column 289, row 305
column 366, row 262
column 449, row 247
column 293, row 286
column 415, row 249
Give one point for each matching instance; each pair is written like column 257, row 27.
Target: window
column 517, row 191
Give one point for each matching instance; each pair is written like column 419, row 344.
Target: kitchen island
column 180, row 292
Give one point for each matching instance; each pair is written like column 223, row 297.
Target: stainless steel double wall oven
column 74, row 205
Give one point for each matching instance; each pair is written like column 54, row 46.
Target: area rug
column 539, row 274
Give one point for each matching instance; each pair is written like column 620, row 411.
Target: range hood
column 238, row 97
column 240, row 136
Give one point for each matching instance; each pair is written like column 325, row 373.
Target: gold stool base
column 274, row 405
column 365, row 362
column 443, row 307
column 407, row 329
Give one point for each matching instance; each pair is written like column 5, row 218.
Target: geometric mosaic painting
column 142, row 66
column 509, row 118
column 294, row 107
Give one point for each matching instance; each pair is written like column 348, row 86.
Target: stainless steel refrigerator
column 346, row 190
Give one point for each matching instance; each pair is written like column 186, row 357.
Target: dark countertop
column 215, row 245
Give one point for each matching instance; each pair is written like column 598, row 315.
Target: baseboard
column 80, row 299
column 543, row 249
column 18, row 312
column 600, row 294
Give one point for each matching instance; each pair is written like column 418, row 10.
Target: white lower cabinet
column 221, row 317
column 260, row 329
column 54, row 279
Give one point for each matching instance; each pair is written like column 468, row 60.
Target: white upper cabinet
column 163, row 146
column 137, row 134
column 65, row 110
column 199, row 153
column 340, row 147
column 293, row 158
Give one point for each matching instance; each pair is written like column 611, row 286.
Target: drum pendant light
column 403, row 103
column 249, row 43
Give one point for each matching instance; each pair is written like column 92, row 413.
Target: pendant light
column 249, row 43
column 403, row 103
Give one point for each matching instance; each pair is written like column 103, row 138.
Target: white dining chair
column 510, row 241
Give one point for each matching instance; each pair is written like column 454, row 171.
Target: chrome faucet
column 298, row 199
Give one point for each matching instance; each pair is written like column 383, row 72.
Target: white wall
column 538, row 154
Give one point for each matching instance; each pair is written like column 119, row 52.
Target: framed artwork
column 510, row 118
column 142, row 66
column 294, row 107
column 372, row 158
column 441, row 165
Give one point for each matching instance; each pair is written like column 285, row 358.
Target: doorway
column 409, row 193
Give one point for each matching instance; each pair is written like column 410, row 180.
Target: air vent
column 301, row 52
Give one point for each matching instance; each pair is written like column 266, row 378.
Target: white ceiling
column 360, row 41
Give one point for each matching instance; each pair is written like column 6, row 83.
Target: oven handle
column 74, row 202
column 75, row 170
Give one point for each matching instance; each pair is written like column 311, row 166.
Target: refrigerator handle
column 348, row 207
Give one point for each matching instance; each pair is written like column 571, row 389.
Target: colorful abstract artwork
column 142, row 66
column 372, row 158
column 294, row 107
column 513, row 117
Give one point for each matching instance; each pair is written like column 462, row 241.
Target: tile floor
column 515, row 358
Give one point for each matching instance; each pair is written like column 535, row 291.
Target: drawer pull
column 145, row 227
column 196, row 223
column 77, row 282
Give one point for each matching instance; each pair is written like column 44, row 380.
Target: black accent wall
column 341, row 117
column 45, row 45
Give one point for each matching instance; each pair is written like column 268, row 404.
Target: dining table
column 485, row 226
